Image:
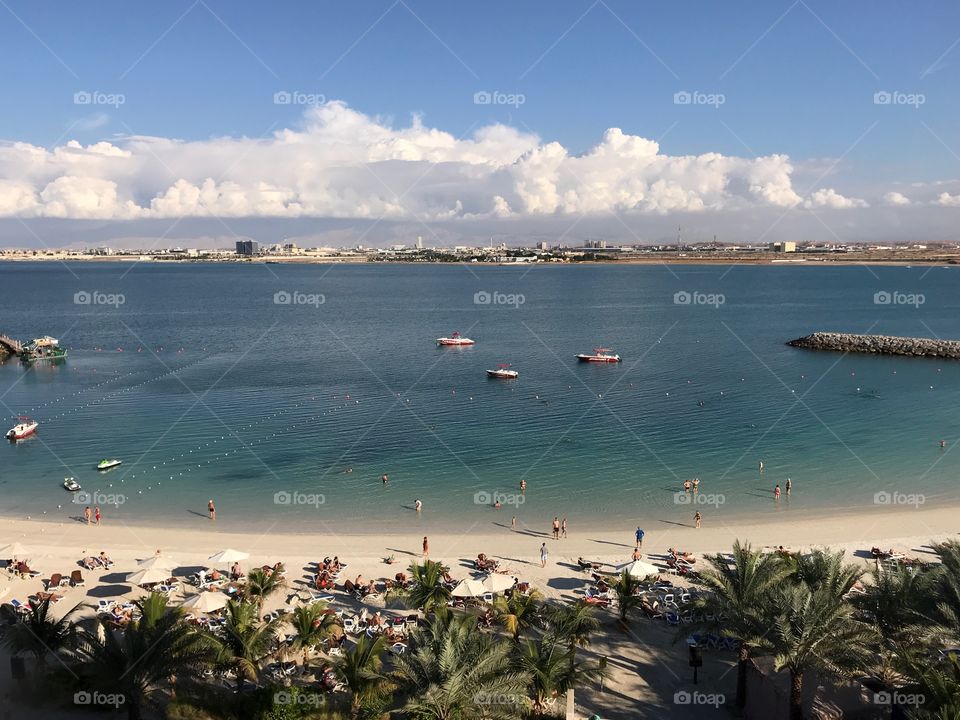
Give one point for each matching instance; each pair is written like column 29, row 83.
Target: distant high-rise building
column 542, row 245
column 248, row 247
column 419, row 242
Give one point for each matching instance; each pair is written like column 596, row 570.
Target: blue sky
column 797, row 78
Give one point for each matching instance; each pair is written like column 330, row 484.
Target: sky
column 376, row 121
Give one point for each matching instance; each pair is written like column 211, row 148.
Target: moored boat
column 600, row 355
column 456, row 340
column 25, row 428
column 71, row 484
column 503, row 372
column 107, row 464
column 43, row 348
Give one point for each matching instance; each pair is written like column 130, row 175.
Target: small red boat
column 600, row 355
column 25, row 428
column 455, row 340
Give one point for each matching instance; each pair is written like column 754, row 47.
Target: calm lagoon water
column 208, row 388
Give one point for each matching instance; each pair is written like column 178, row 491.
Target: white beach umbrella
column 229, row 555
column 206, row 602
column 148, row 576
column 158, row 561
column 498, row 583
column 469, row 588
column 639, row 568
column 15, row 550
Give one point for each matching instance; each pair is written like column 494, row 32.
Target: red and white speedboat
column 455, row 340
column 503, row 372
column 25, row 428
column 600, row 355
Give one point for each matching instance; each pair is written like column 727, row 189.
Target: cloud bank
column 342, row 164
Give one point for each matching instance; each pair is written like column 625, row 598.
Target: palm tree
column 313, row 625
column 427, row 590
column 260, row 585
column 815, row 630
column 40, row 635
column 360, row 669
column 826, row 569
column 246, row 641
column 452, row 671
column 519, row 612
column 553, row 669
column 737, row 590
column 132, row 663
column 946, row 586
column 573, row 623
column 627, row 598
column 896, row 602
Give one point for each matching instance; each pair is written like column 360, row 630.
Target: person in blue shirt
column 639, row 535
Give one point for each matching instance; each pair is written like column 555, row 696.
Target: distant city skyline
column 375, row 123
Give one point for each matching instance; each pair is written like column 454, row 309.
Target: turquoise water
column 234, row 397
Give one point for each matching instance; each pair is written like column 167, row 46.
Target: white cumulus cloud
column 830, row 198
column 895, row 198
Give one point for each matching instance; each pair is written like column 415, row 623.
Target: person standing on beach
column 556, row 528
column 96, row 514
column 697, row 517
column 513, row 523
column 426, row 547
column 639, row 536
column 543, row 554
column 211, row 510
column 87, row 514
column 776, row 492
column 563, row 528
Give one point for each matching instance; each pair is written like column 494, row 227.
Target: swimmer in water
column 943, row 444
column 761, row 466
column 776, row 492
column 696, row 484
column 523, row 486
column 418, row 506
column 789, row 485
column 687, row 485
column 385, row 479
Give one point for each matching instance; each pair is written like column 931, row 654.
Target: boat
column 25, row 428
column 600, row 355
column 71, row 484
column 455, row 340
column 43, row 348
column 503, row 372
column 107, row 464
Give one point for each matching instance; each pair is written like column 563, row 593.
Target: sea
column 286, row 392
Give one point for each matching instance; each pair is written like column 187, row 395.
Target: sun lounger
column 76, row 579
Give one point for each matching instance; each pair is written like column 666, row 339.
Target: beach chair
column 76, row 579
column 672, row 619
column 398, row 648
column 349, row 625
column 488, row 597
column 53, row 582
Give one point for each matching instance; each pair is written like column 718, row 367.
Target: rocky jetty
column 880, row 345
